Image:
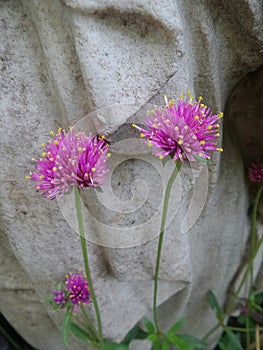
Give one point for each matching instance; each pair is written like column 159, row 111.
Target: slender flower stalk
column 73, row 160
column 187, row 131
column 160, row 242
column 255, row 175
column 93, row 331
column 86, row 261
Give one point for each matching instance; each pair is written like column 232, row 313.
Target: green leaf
column 204, row 160
column 80, row 333
column 215, row 305
column 222, row 346
column 178, row 324
column 98, row 189
column 48, row 299
column 60, row 286
column 109, row 345
column 259, row 298
column 68, row 304
column 182, row 344
column 233, row 339
column 149, row 325
column 166, row 345
column 135, row 333
column 194, row 342
column 166, row 159
column 66, row 326
column 153, row 338
column 157, row 344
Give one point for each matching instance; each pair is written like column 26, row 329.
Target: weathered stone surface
column 61, row 60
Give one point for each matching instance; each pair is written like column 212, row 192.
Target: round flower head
column 186, row 131
column 70, row 159
column 59, row 298
column 255, row 173
column 78, row 288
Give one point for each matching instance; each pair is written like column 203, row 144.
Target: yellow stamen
column 42, row 145
column 181, row 96
column 196, row 117
column 200, row 98
column 56, row 142
column 202, row 143
column 80, row 149
column 54, row 169
column 108, row 155
column 27, row 177
column 160, row 157
column 93, row 169
column 51, row 133
column 180, row 142
column 220, row 149
column 217, row 134
column 171, row 103
column 150, row 144
column 41, row 176
column 71, row 127
column 44, row 154
column 142, row 135
column 202, row 105
column 59, row 130
column 220, row 115
column 209, row 127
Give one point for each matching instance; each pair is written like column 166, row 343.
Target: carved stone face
column 74, row 57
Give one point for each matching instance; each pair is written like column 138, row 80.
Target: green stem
column 84, row 328
column 160, row 242
column 253, row 236
column 247, row 331
column 92, row 329
column 255, row 248
column 244, row 330
column 86, row 260
column 218, row 325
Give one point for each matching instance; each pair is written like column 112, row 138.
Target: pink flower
column 59, row 297
column 255, row 172
column 186, row 131
column 70, row 159
column 78, row 288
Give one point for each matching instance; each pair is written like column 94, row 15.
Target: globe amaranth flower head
column 75, row 292
column 186, row 131
column 255, row 172
column 70, row 159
